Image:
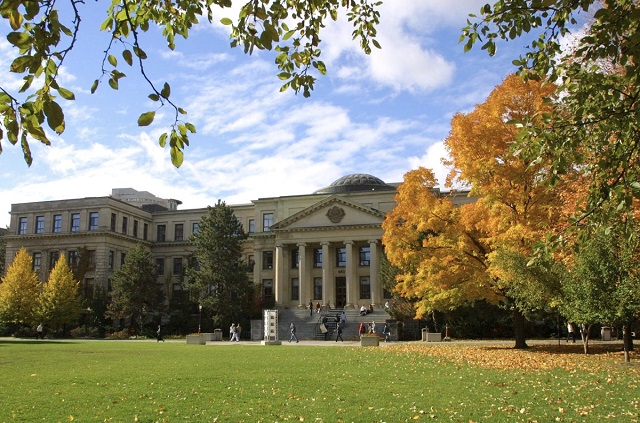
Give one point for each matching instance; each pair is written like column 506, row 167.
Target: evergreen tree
column 60, row 303
column 19, row 291
column 217, row 279
column 134, row 288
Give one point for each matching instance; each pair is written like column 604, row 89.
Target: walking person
column 571, row 333
column 238, row 332
column 159, row 335
column 361, row 329
column 386, row 331
column 343, row 319
column 310, row 308
column 339, row 331
column 40, row 331
column 292, row 328
column 232, row 332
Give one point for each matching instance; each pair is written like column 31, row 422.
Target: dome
column 356, row 182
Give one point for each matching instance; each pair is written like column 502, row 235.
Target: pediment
column 329, row 213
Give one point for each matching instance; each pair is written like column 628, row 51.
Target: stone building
column 322, row 247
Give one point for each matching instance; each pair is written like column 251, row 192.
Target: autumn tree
column 594, row 126
column 19, row 291
column 135, row 291
column 59, row 303
column 44, row 33
column 218, row 277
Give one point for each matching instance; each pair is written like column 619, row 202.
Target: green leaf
column 284, row 75
column 94, row 86
column 112, row 60
column 128, row 57
column 19, row 39
column 163, row 140
column 113, row 83
column 226, row 21
column 154, row 97
column 166, row 91
column 146, row 118
column 55, row 116
column 182, row 111
column 66, row 94
column 177, row 156
column 191, row 127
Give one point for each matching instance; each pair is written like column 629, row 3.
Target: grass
column 129, row 381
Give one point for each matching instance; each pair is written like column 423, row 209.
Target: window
column 88, row 288
column 365, row 288
column 145, row 231
column 267, row 260
column 22, row 226
column 178, row 233
column 295, row 259
column 93, row 221
column 267, row 221
column 53, row 259
column 123, row 258
column 37, row 261
column 267, row 290
column 125, row 224
column 113, row 222
column 252, row 226
column 177, row 266
column 135, row 228
column 295, row 289
column 365, row 256
column 57, row 223
column 341, row 257
column 159, row 266
column 252, row 262
column 92, row 259
column 195, row 227
column 317, row 257
column 75, row 222
column 317, row 289
column 162, row 233
column 39, row 224
column 111, row 259
column 72, row 258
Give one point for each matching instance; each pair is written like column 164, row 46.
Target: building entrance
column 341, row 292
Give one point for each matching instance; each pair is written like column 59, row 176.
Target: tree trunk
column 519, row 330
column 627, row 342
column 584, row 334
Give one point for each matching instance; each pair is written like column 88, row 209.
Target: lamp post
column 199, row 317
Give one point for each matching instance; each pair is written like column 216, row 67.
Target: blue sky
column 382, row 114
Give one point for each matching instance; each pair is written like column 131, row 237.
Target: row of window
column 178, row 231
column 177, row 267
column 364, row 254
column 267, row 289
column 73, row 258
column 56, row 225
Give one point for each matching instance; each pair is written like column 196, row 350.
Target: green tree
column 59, row 302
column 44, row 34
column 19, row 291
column 135, row 291
column 3, row 250
column 594, row 126
column 218, row 277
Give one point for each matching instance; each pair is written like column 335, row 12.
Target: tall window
column 341, row 257
column 37, row 261
column 145, row 231
column 317, row 257
column 252, row 226
column 113, row 222
column 57, row 223
column 162, row 233
column 195, row 227
column 75, row 222
column 135, row 228
column 159, row 266
column 267, row 221
column 267, row 290
column 123, row 258
column 125, row 224
column 22, row 226
column 53, row 259
column 317, row 288
column 295, row 289
column 93, row 221
column 92, row 259
column 178, row 233
column 39, row 224
column 295, row 258
column 365, row 288
column 252, row 262
column 267, row 260
column 72, row 258
column 365, row 256
column 111, row 259
column 177, row 266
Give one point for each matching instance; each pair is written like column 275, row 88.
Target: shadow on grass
column 22, row 341
column 566, row 349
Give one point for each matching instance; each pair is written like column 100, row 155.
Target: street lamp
column 199, row 317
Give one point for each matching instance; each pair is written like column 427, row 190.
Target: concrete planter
column 196, row 339
column 208, row 336
column 369, row 341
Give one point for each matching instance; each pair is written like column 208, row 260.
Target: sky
column 383, row 114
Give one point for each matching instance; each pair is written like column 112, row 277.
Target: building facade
column 323, row 247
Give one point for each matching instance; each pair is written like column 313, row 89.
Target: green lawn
column 126, row 381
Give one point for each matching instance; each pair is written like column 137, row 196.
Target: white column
column 374, row 272
column 280, row 281
column 351, row 275
column 303, row 276
column 328, row 281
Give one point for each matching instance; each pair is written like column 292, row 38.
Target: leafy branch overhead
column 42, row 40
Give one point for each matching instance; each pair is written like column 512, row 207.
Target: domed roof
column 354, row 183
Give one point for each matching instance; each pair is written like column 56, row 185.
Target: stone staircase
column 308, row 326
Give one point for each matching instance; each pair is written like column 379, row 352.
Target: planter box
column 369, row 341
column 434, row 337
column 208, row 336
column 196, row 339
